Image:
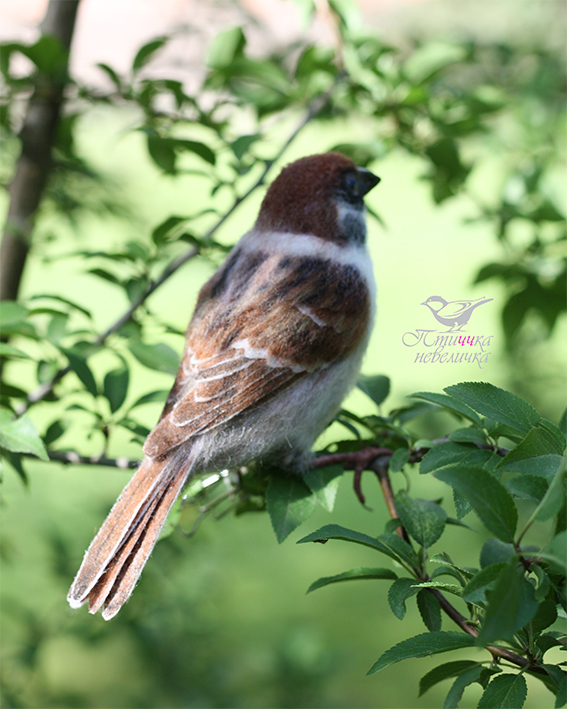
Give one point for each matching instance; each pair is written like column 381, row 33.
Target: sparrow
column 455, row 312
column 275, row 343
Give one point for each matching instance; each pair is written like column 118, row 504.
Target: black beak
column 368, row 180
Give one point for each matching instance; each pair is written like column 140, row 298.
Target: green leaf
column 538, row 453
column 426, row 61
column 243, row 143
column 553, row 499
column 225, row 47
column 511, row 604
column 455, row 406
column 448, row 568
column 197, row 147
column 78, row 363
column 11, row 313
column 389, row 544
column 289, row 502
column 498, row 404
column 112, row 75
column 115, row 387
column 354, row 574
column 448, row 452
column 421, row 646
column 399, row 592
column 163, row 230
column 399, row 458
column 398, row 549
column 468, row 435
column 545, row 616
column 324, row 483
column 453, row 588
column 152, row 397
column 335, row 531
column 429, row 609
column 561, row 696
column 65, row 301
column 146, row 52
column 55, row 431
column 158, row 356
column 483, row 581
column 162, row 152
column 489, row 498
column 445, row 671
column 462, row 505
column 376, row 387
column 459, row 685
column 20, row 435
column 16, row 461
column 423, row 520
column 556, row 550
column 504, row 691
column 48, row 54
column 528, row 487
column 9, row 351
column 494, row 551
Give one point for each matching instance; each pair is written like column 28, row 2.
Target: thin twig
column 448, row 608
column 72, row 458
column 46, row 388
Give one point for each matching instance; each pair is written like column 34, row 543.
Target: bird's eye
column 351, row 183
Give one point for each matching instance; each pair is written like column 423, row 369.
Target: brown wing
column 261, row 323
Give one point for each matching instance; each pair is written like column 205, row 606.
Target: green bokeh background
column 221, row 619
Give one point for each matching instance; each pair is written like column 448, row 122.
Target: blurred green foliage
column 453, row 105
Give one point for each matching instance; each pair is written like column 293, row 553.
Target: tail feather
column 132, row 568
column 115, row 559
column 102, row 588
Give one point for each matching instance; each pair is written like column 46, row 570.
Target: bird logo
column 456, row 313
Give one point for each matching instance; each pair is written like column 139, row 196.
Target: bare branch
column 72, row 458
column 34, row 164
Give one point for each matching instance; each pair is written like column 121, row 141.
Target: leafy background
column 221, row 619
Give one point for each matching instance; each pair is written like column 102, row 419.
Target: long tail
column 115, row 559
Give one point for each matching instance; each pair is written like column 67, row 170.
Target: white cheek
column 352, row 222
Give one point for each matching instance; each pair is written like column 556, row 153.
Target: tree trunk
column 33, row 166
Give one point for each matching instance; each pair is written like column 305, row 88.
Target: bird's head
column 437, row 299
column 320, row 195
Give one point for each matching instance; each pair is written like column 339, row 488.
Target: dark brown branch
column 34, row 164
column 377, row 460
column 464, row 624
column 72, row 458
column 448, row 608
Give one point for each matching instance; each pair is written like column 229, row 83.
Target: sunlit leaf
column 289, row 502
column 19, row 435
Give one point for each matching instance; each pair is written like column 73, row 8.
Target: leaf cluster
column 515, row 598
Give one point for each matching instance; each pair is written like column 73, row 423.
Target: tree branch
column 34, row 164
column 72, row 458
column 377, row 461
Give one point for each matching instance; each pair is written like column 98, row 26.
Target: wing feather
column 271, row 323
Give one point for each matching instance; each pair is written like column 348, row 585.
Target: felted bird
column 275, row 343
column 455, row 313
